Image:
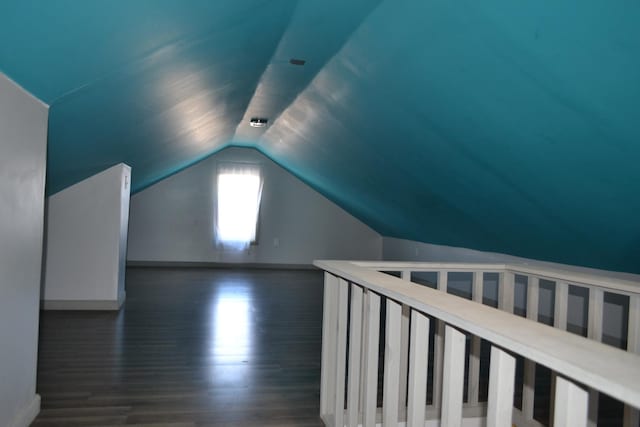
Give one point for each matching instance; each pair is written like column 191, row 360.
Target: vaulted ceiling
column 501, row 125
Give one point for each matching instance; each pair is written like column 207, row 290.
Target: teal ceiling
column 509, row 126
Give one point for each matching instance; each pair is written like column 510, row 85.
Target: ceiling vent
column 258, row 122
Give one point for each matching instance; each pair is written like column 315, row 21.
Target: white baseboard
column 29, row 413
column 111, row 305
column 223, row 265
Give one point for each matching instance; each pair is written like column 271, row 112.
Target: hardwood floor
column 191, row 347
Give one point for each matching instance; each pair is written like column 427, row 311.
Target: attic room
column 288, row 213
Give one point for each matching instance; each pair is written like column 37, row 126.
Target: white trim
column 225, row 265
column 29, row 413
column 112, row 305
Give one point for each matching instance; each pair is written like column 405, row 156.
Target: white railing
column 582, row 367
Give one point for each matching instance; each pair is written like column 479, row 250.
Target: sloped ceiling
column 509, row 126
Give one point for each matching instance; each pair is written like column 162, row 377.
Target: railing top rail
column 573, row 277
column 607, row 369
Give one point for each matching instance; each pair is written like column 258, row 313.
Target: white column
column 452, row 378
column 370, row 359
column 594, row 332
column 528, row 393
column 438, row 346
column 391, row 364
column 632, row 415
column 560, row 308
column 355, row 346
column 329, row 339
column 571, row 404
column 506, row 291
column 474, row 353
column 341, row 351
column 418, row 369
column 501, row 384
column 404, row 346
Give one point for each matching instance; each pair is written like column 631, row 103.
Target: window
column 238, row 203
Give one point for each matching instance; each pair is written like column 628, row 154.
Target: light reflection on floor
column 231, row 334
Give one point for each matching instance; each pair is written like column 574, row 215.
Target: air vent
column 295, row 61
column 258, row 122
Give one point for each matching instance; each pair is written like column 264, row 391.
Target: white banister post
column 474, row 353
column 561, row 305
column 594, row 332
column 355, row 346
column 501, row 384
column 596, row 307
column 571, row 404
column 418, row 369
column 370, row 359
column 560, row 308
column 438, row 346
column 529, row 380
column 329, row 341
column 632, row 415
column 404, row 346
column 341, row 351
column 452, row 378
column 506, row 291
column 391, row 383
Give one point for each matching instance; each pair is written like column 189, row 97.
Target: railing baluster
column 418, row 369
column 329, row 340
column 631, row 414
column 404, row 346
column 391, row 364
column 594, row 332
column 529, row 381
column 355, row 346
column 474, row 353
column 452, row 378
column 341, row 352
column 561, row 305
column 370, row 365
column 598, row 368
column 404, row 355
column 438, row 346
column 560, row 308
column 506, row 291
column 571, row 404
column 501, row 384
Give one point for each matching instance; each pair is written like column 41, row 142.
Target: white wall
column 172, row 221
column 86, row 242
column 23, row 141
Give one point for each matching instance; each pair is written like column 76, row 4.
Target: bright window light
column 239, row 192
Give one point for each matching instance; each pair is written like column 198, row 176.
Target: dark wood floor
column 191, row 347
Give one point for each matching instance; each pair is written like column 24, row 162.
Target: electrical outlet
column 276, row 242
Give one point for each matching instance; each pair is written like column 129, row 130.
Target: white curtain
column 239, row 190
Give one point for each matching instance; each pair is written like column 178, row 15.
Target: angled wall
column 23, row 148
column 172, row 221
column 86, row 243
